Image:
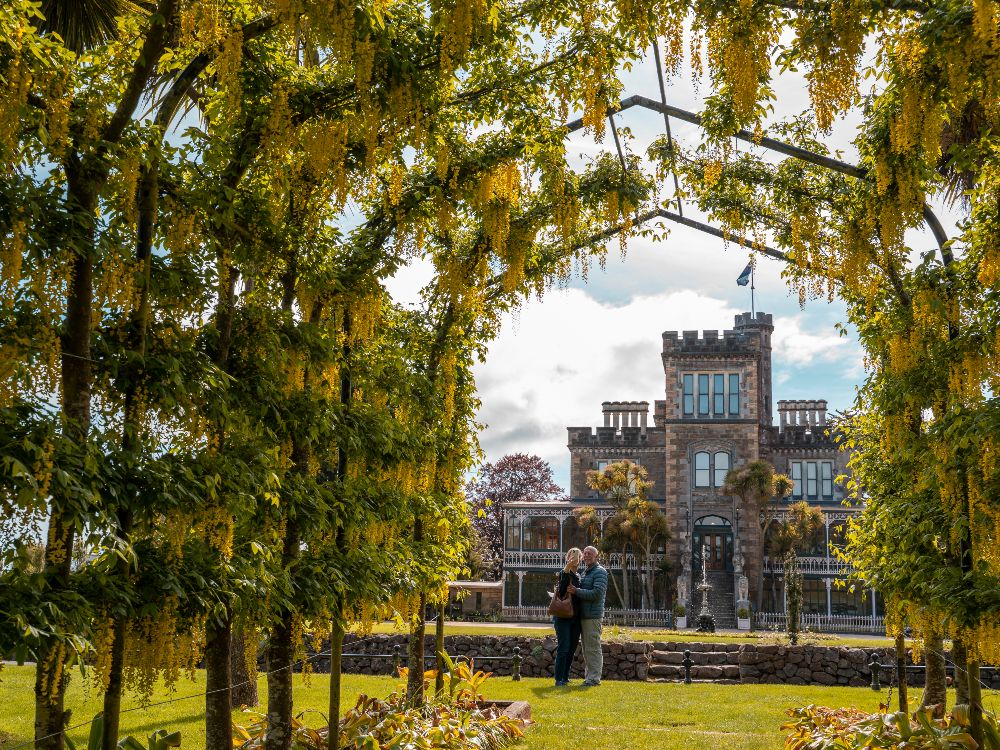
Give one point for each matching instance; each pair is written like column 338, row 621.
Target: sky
column 556, row 360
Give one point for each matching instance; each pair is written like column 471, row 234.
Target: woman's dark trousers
column 568, row 637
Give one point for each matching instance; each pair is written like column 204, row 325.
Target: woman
column 567, row 628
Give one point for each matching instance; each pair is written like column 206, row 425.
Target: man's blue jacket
column 591, row 592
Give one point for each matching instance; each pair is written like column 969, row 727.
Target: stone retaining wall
column 631, row 660
column 810, row 665
column 623, row 660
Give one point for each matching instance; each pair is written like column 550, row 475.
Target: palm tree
column 758, row 489
column 638, row 525
column 83, row 24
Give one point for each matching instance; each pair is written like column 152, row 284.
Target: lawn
column 616, row 715
column 650, row 634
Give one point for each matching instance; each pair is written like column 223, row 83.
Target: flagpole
column 753, row 311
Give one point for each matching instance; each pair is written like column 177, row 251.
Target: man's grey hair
column 590, row 549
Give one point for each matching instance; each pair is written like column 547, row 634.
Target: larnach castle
column 716, row 414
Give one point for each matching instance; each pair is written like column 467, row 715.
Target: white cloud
column 793, row 346
column 553, row 366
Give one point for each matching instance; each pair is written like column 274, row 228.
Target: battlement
column 747, row 320
column 745, row 338
column 625, row 423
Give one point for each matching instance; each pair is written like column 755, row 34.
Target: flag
column 744, row 278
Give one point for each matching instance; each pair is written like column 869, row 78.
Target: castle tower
column 716, row 415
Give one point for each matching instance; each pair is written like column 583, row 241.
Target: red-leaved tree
column 515, row 477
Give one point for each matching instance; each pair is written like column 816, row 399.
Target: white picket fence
column 824, row 623
column 630, row 617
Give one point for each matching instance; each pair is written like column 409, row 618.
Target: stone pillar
column 829, row 600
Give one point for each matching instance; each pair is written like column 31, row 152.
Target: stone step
column 697, row 657
column 701, row 672
column 676, row 681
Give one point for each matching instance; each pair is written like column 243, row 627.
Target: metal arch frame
column 781, row 147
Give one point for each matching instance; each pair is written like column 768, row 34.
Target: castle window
column 721, row 468
column 826, row 477
column 718, row 394
column 689, row 395
column 709, row 470
column 818, row 479
column 702, row 474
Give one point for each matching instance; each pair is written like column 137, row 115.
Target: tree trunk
column 975, row 702
column 439, row 650
column 904, row 704
column 333, row 712
column 415, row 658
column 113, row 695
column 50, row 683
column 960, row 658
column 279, row 686
column 280, row 652
column 244, row 677
column 935, row 683
column 626, row 584
column 218, row 682
column 76, row 385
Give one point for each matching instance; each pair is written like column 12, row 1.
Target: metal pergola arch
column 772, row 144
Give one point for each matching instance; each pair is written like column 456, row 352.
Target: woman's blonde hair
column 573, row 557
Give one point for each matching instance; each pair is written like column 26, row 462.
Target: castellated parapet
column 749, row 334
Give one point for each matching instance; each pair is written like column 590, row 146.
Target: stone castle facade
column 716, row 414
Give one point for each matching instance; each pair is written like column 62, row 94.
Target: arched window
column 721, row 468
column 702, row 473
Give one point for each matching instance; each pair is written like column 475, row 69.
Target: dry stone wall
column 641, row 660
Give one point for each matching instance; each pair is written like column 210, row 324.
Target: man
column 591, row 592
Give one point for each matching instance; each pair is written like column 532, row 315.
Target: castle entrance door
column 715, row 534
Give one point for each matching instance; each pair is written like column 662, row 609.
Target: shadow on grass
column 142, row 731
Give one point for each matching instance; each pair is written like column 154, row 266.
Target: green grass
column 645, row 634
column 616, row 715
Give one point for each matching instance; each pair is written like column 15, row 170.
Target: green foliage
column 820, row 728
column 454, row 720
column 158, row 740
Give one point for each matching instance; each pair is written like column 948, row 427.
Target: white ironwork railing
column 631, row 617
column 830, row 566
column 824, row 623
column 514, row 559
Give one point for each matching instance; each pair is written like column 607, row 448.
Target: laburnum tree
column 202, row 376
column 927, row 316
column 516, row 477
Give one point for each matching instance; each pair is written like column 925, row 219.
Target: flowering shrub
column 453, row 720
column 821, row 728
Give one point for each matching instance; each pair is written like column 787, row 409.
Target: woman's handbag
column 561, row 606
